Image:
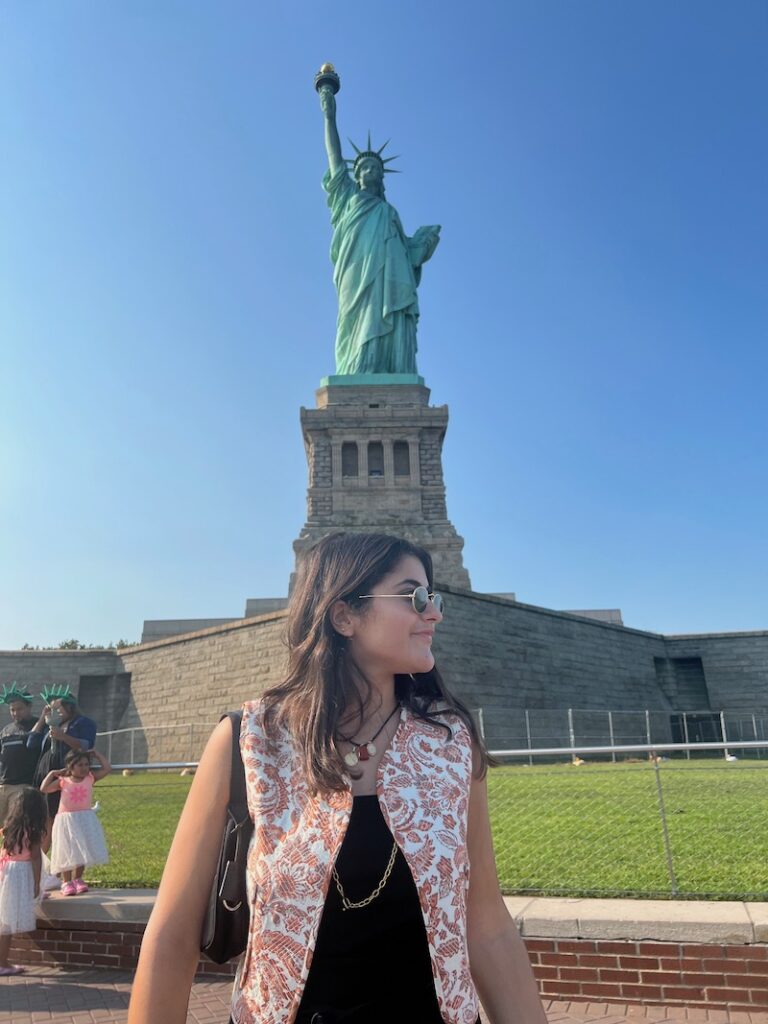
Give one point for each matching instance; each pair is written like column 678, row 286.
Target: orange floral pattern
column 423, row 789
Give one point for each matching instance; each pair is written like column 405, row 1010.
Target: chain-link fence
column 519, row 728
column 155, row 744
column 502, row 728
column 654, row 822
column 664, row 821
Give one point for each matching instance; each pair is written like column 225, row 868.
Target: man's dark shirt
column 17, row 760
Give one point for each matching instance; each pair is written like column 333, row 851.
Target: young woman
column 372, row 881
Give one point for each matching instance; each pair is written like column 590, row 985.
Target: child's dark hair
column 26, row 820
column 76, row 755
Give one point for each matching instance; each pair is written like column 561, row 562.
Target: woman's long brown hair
column 323, row 686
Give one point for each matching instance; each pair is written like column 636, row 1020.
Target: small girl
column 20, row 862
column 78, row 838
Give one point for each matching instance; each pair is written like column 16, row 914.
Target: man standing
column 17, row 760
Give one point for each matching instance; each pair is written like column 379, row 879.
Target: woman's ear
column 342, row 618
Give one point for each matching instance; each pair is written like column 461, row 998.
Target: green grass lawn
column 558, row 830
column 596, row 829
column 139, row 816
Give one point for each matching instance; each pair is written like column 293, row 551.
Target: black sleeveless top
column 371, row 965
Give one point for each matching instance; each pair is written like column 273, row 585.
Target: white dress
column 78, row 838
column 17, row 896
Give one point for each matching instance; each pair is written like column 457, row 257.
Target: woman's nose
column 432, row 612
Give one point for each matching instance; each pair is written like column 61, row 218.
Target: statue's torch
column 326, row 78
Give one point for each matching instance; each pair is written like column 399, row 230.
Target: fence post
column 571, row 734
column 648, row 727
column 528, row 736
column 685, row 734
column 610, row 733
column 726, row 751
column 754, row 730
column 133, row 749
column 665, row 830
column 109, row 747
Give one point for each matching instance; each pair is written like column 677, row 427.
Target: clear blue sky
column 595, row 315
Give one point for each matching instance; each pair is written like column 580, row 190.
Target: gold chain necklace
column 347, row 903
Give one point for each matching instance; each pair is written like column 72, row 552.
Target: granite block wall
column 735, row 666
column 502, row 656
column 93, row 676
column 499, row 655
column 196, row 678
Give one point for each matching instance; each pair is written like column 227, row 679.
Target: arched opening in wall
column 349, row 459
column 402, row 458
column 375, row 459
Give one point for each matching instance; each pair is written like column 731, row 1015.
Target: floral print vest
column 423, row 788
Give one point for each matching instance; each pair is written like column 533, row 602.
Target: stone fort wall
column 496, row 654
column 197, row 677
column 736, row 666
column 96, row 677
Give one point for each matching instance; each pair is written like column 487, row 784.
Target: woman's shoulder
column 257, row 724
column 252, row 712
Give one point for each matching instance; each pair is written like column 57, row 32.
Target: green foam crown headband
column 14, row 693
column 50, row 693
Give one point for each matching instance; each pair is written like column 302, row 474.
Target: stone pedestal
column 374, row 449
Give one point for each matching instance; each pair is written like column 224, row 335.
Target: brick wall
column 71, row 943
column 713, row 976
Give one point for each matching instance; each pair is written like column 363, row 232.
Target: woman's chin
column 424, row 664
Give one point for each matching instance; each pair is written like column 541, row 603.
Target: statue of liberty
column 377, row 267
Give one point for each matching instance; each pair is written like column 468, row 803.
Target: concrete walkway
column 101, row 997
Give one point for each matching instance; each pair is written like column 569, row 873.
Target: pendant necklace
column 364, row 751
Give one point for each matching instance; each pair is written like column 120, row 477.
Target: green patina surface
column 377, row 267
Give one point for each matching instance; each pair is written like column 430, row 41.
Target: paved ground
column 101, row 997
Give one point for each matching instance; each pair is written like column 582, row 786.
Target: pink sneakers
column 80, row 886
column 68, row 889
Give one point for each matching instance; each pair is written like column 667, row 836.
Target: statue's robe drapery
column 376, row 271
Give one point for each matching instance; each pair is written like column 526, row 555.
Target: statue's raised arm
column 377, row 267
column 327, row 85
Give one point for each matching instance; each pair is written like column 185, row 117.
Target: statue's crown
column 15, row 693
column 362, row 154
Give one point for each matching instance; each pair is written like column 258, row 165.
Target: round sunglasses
column 420, row 598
